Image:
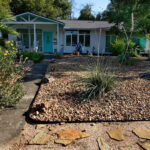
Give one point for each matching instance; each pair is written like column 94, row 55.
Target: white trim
column 29, row 23
column 34, row 19
column 29, row 38
column 58, row 47
column 34, row 36
column 29, row 18
column 40, row 17
column 23, row 19
column 42, row 42
column 105, row 28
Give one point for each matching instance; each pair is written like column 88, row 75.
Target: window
column 68, row 40
column 73, row 36
column 81, row 39
column 87, row 40
column 84, row 38
column 74, row 40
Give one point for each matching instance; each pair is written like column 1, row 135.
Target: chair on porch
column 37, row 46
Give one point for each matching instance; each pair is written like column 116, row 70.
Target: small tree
column 127, row 15
column 98, row 16
column 86, row 13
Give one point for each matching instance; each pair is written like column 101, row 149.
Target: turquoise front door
column 48, row 42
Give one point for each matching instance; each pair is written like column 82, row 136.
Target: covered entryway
column 37, row 33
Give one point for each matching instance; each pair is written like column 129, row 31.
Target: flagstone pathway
column 84, row 136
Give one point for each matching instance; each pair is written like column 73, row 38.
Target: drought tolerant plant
column 32, row 55
column 11, row 87
column 98, row 81
column 117, row 47
column 58, row 55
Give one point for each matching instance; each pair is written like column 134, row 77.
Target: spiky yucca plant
column 97, row 81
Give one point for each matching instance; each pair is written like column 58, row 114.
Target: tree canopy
column 55, row 9
column 132, row 14
column 86, row 13
column 5, row 15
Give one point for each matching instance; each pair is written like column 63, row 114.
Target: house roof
column 29, row 17
column 86, row 24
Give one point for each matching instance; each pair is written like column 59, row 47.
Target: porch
column 37, row 33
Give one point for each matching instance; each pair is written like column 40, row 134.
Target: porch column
column 29, row 38
column 34, row 37
column 58, row 48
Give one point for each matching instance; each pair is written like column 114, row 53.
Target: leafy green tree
column 5, row 15
column 86, row 13
column 98, row 16
column 127, row 12
column 55, row 9
column 130, row 17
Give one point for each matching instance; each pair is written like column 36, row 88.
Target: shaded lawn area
column 60, row 100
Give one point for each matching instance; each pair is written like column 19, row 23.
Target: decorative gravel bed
column 60, row 101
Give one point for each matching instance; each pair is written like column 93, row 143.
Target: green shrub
column 117, row 47
column 126, row 60
column 123, row 57
column 32, row 55
column 11, row 87
column 58, row 55
column 97, row 82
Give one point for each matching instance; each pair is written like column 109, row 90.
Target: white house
column 49, row 36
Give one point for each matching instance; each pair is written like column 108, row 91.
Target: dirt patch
column 129, row 100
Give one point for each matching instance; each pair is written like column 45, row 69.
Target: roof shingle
column 86, row 24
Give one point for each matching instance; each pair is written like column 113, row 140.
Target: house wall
column 97, row 43
column 44, row 28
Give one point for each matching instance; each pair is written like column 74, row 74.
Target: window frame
column 78, row 34
column 84, row 35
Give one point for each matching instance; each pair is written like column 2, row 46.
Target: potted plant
column 77, row 53
column 71, row 54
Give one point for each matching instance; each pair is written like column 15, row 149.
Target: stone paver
column 116, row 134
column 102, row 144
column 40, row 139
column 71, row 134
column 142, row 133
column 145, row 145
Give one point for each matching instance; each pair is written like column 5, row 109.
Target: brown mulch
column 60, row 100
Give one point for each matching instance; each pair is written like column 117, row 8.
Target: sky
column 97, row 6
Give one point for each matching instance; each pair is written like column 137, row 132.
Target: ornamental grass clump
column 11, row 87
column 97, row 81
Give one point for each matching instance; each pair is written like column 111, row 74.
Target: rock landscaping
column 60, row 100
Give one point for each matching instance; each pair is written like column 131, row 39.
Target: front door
column 48, row 42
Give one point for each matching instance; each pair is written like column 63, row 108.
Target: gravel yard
column 60, row 100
